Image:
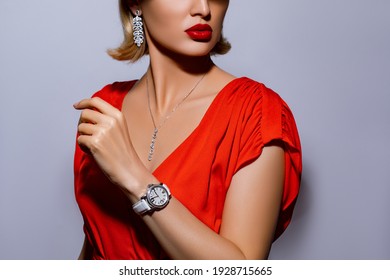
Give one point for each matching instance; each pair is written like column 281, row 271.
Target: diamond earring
column 138, row 32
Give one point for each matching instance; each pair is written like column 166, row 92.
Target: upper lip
column 200, row 27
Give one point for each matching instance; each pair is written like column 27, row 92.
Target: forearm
column 246, row 232
column 183, row 236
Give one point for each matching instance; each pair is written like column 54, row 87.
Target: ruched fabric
column 244, row 117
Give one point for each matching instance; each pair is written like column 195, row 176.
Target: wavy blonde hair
column 129, row 51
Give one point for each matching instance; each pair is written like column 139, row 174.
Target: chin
column 187, row 48
column 198, row 49
column 199, row 53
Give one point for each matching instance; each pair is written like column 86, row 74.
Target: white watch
column 156, row 198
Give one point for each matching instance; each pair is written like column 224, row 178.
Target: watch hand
column 155, row 193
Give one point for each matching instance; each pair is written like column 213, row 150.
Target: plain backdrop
column 329, row 60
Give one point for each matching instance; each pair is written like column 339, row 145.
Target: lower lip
column 200, row 35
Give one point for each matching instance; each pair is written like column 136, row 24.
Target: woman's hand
column 104, row 133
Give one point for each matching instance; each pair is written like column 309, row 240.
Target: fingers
column 97, row 111
column 99, row 121
column 87, row 129
column 88, row 143
column 91, row 116
column 98, row 104
column 89, row 137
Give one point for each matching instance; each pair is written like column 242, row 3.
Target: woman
column 189, row 162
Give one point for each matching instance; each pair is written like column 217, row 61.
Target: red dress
column 243, row 118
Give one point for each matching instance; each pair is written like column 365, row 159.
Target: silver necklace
column 157, row 128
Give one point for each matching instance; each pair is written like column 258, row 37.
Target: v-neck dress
column 244, row 117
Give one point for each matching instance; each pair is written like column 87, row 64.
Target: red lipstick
column 200, row 32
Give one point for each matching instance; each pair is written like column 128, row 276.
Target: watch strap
column 142, row 206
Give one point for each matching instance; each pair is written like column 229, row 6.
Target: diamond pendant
column 151, row 150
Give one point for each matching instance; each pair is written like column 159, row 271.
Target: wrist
column 137, row 187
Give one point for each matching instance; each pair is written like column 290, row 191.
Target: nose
column 201, row 8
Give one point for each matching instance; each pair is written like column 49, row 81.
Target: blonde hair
column 129, row 51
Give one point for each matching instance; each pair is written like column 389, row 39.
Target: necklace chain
column 157, row 128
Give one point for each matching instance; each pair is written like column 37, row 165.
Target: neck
column 172, row 77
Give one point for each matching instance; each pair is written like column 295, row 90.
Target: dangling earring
column 138, row 32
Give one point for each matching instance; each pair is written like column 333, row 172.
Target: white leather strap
column 141, row 207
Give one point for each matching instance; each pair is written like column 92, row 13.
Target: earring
column 138, row 32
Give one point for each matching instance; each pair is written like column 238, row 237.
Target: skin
column 119, row 140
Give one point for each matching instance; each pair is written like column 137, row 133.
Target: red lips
column 200, row 32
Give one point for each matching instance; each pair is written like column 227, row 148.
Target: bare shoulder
column 222, row 77
column 216, row 80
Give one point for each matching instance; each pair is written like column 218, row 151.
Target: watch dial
column 158, row 196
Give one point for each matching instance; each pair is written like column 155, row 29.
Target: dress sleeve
column 269, row 120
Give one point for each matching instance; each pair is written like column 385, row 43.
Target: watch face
column 158, row 196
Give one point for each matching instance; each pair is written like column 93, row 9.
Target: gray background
column 328, row 59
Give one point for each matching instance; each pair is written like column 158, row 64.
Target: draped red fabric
column 244, row 117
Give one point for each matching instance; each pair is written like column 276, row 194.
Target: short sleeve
column 278, row 124
column 267, row 120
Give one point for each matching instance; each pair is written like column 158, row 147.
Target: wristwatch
column 156, row 198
